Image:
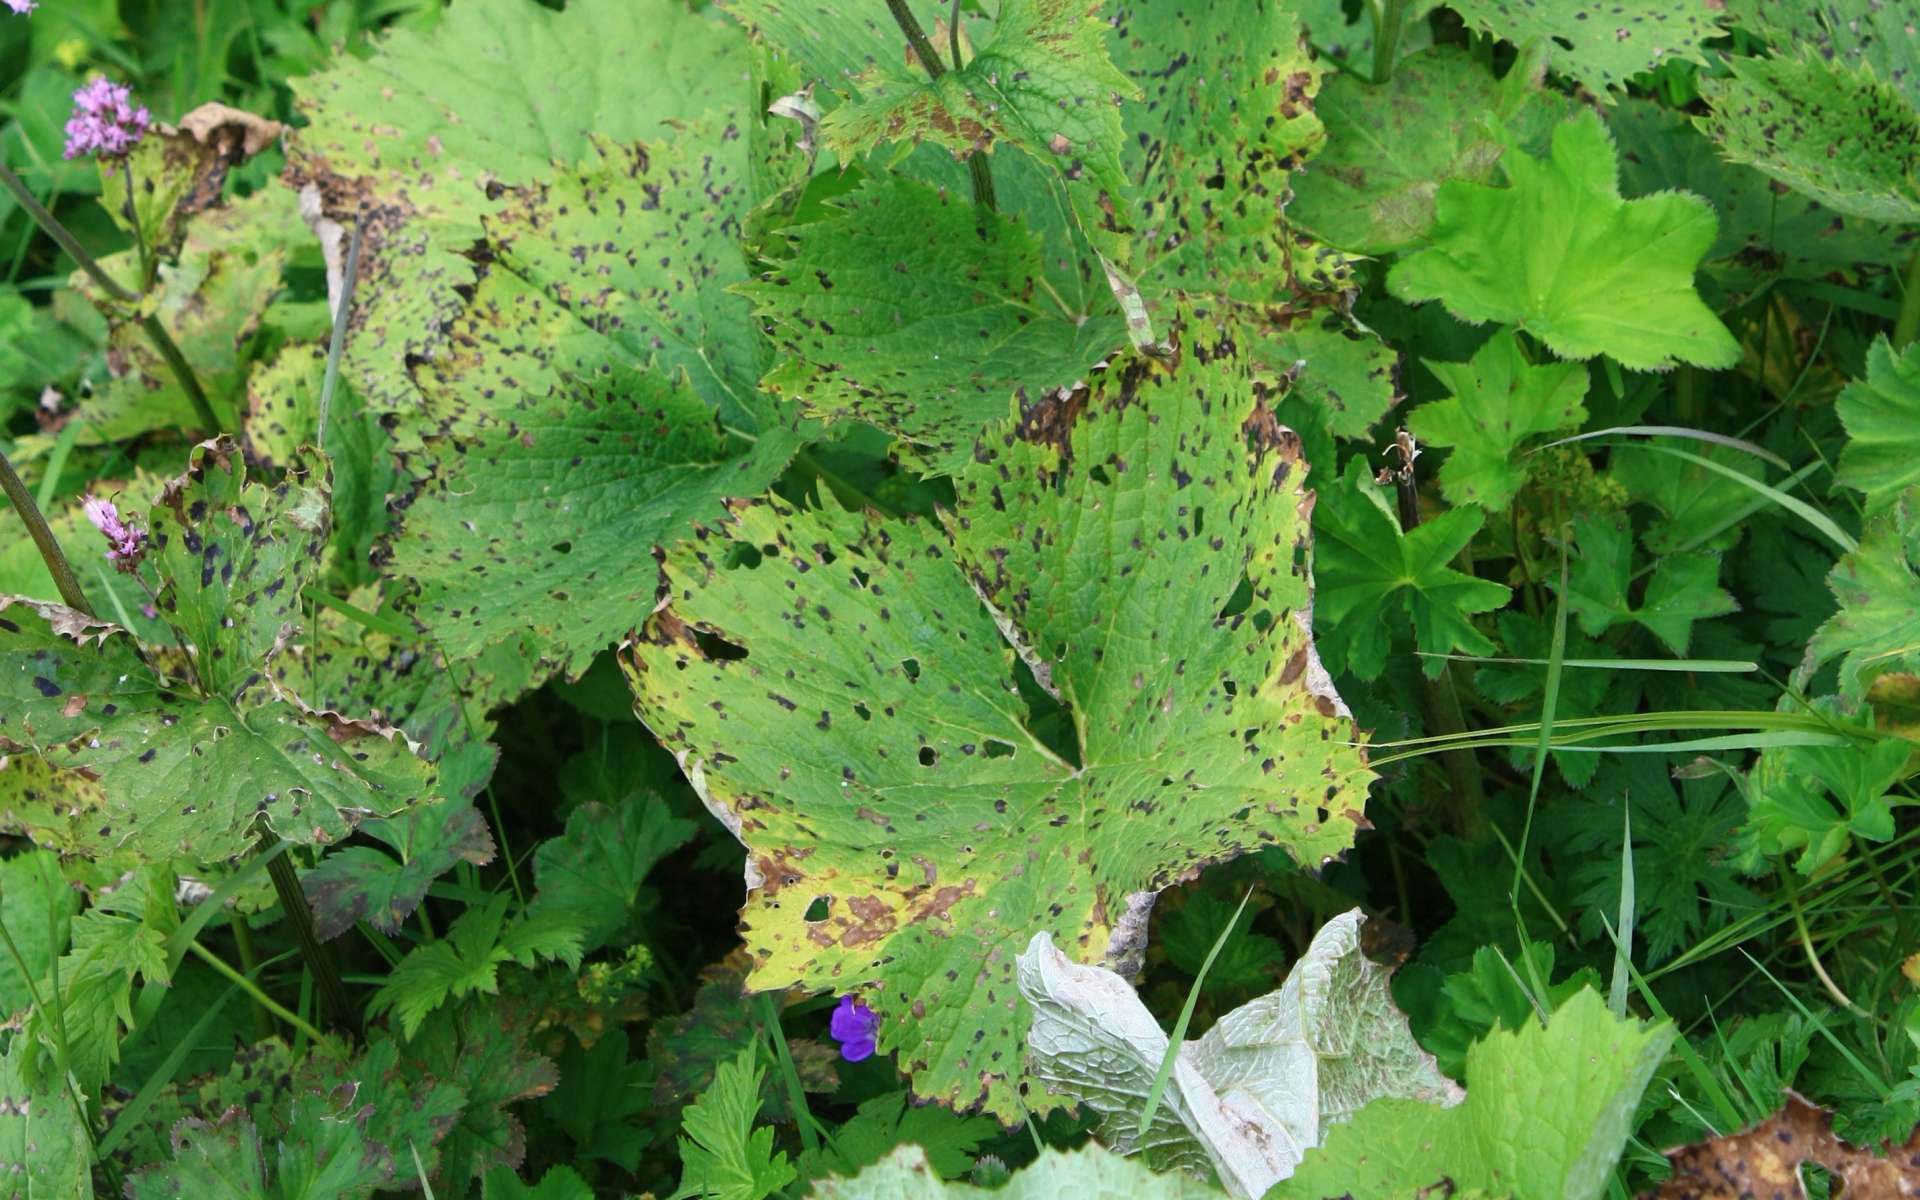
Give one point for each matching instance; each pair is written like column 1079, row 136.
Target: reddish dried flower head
column 104, row 121
column 125, row 544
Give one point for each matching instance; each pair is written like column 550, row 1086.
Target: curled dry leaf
column 1765, row 1161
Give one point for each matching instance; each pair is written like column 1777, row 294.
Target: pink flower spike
column 104, row 121
column 125, row 544
column 23, row 7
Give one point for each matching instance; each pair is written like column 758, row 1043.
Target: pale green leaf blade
column 1839, row 134
column 1088, row 1173
column 723, row 1156
column 1558, row 252
column 1882, row 416
column 873, row 751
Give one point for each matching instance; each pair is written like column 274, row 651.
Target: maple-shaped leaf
column 843, row 700
column 593, row 872
column 888, row 1120
column 191, row 752
column 573, row 427
column 1882, row 416
column 1877, row 630
column 1497, row 401
column 1817, row 799
column 1839, row 133
column 1371, row 573
column 359, row 883
column 1560, row 254
column 1602, row 44
column 1684, row 588
column 1040, row 82
column 1547, row 1113
column 908, row 307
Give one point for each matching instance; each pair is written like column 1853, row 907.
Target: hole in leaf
column 562, row 547
column 999, row 749
column 1237, row 603
column 1098, row 474
column 818, row 910
column 717, row 648
column 860, row 578
column 865, row 713
column 743, row 555
column 912, row 667
column 927, row 756
column 1199, row 521
column 1230, row 687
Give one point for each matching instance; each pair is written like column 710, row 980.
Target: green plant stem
column 249, row 963
column 1907, row 324
column 790, row 1073
column 43, row 539
column 151, row 326
column 251, row 988
column 333, row 993
column 1389, row 16
column 978, row 169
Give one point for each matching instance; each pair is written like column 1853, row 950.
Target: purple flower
column 854, row 1026
column 104, row 120
column 125, row 544
column 23, row 7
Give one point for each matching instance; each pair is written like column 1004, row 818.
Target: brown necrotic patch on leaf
column 1764, row 1162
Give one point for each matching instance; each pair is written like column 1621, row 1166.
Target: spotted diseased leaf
column 408, row 142
column 45, row 1152
column 231, row 557
column 1368, row 566
column 1842, row 135
column 909, row 308
column 1554, row 253
column 1766, row 1160
column 1497, row 401
column 1601, row 44
column 1346, row 373
column 575, row 422
column 360, row 883
column 1882, row 416
column 1877, row 630
column 844, row 702
column 1088, row 1172
column 1040, row 81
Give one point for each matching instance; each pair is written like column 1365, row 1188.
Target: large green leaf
column 1547, row 1113
column 189, row 766
column 1264, row 1084
column 1882, row 416
column 1601, row 44
column 412, row 140
column 574, row 426
column 842, row 699
column 1840, row 134
column 1496, row 402
column 909, row 308
column 1683, row 589
column 1561, row 255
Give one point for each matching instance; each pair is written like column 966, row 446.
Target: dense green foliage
column 1009, row 481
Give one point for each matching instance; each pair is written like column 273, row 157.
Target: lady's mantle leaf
column 1840, row 134
column 912, row 309
column 843, row 701
column 1561, row 255
column 1601, row 44
column 184, row 774
column 1498, row 400
column 1249, row 1098
column 1684, row 588
column 1817, row 799
column 1367, row 565
column 1882, row 416
column 1041, row 82
column 1877, row 630
column 1548, row 1111
column 573, row 430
